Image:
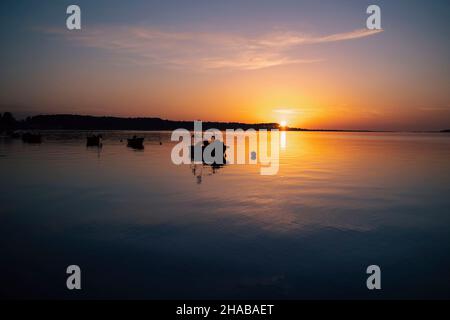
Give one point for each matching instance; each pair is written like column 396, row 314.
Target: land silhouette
column 85, row 122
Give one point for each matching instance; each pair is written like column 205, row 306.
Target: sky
column 312, row 64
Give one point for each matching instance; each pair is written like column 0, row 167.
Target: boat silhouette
column 94, row 141
column 31, row 138
column 135, row 143
column 206, row 143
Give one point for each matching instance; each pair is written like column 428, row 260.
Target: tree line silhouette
column 81, row 122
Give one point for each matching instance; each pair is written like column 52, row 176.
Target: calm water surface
column 141, row 227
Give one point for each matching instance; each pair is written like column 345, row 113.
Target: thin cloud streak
column 147, row 46
column 443, row 108
column 287, row 111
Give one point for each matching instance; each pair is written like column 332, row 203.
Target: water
column 141, row 227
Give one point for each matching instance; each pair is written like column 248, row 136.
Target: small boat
column 206, row 143
column 31, row 138
column 135, row 143
column 15, row 135
column 94, row 141
column 12, row 134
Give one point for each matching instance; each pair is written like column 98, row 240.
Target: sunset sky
column 311, row 63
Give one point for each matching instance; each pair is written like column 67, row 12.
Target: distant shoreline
column 106, row 123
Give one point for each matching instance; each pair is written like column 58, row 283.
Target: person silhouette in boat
column 202, row 145
column 220, row 146
column 199, row 146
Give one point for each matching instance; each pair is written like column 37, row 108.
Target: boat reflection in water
column 94, row 141
column 31, row 138
column 201, row 169
column 205, row 167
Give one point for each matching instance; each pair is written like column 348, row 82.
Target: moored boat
column 31, row 138
column 94, row 141
column 206, row 143
column 135, row 143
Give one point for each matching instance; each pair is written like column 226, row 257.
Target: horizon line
column 287, row 128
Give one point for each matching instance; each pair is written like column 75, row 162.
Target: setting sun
column 283, row 123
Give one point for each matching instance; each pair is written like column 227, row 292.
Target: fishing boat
column 12, row 134
column 206, row 143
column 31, row 138
column 135, row 143
column 94, row 141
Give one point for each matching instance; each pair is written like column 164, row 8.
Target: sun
column 283, row 123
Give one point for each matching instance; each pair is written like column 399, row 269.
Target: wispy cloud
column 287, row 111
column 152, row 46
column 436, row 108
